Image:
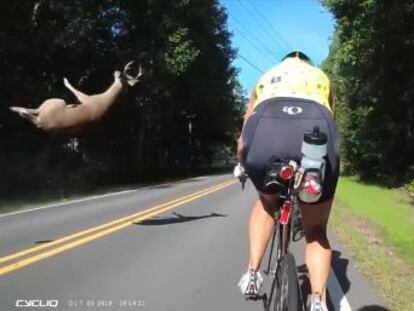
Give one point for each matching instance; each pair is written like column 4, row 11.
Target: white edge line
column 336, row 293
column 68, row 202
column 94, row 197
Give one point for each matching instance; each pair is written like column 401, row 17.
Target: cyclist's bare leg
column 318, row 251
column 261, row 226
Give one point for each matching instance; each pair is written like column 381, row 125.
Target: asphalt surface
column 189, row 257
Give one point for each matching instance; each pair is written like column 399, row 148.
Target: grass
column 376, row 228
column 385, row 209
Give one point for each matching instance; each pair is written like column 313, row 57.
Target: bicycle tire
column 274, row 252
column 287, row 295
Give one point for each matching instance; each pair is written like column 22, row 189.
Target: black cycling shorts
column 275, row 130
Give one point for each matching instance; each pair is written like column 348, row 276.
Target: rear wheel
column 274, row 252
column 286, row 285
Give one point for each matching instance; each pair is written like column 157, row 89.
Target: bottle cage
column 273, row 183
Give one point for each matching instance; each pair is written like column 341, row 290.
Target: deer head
column 132, row 80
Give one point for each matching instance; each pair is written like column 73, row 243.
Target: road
column 143, row 249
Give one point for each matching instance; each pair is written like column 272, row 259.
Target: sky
column 266, row 30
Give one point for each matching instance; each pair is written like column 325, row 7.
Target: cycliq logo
column 292, row 109
column 37, row 303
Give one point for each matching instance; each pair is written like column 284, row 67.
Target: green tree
column 185, row 50
column 370, row 59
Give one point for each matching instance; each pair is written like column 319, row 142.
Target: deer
column 55, row 114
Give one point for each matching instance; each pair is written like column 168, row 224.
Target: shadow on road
column 304, row 282
column 157, row 221
column 373, row 308
column 339, row 266
column 43, row 241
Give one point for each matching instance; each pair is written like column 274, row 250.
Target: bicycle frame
column 286, row 215
column 282, row 233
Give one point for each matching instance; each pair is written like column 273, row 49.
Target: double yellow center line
column 85, row 236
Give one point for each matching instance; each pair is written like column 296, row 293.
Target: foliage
column 370, row 60
column 185, row 50
column 410, row 187
column 181, row 53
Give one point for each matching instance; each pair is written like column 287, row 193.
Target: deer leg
column 25, row 110
column 79, row 95
column 29, row 114
column 32, row 111
column 31, row 117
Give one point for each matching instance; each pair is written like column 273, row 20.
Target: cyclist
column 288, row 100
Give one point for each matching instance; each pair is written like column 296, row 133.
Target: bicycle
column 287, row 176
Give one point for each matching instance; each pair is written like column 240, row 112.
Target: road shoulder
column 378, row 262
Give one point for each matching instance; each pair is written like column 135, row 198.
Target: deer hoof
column 117, row 74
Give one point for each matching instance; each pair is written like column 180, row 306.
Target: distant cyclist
column 288, row 100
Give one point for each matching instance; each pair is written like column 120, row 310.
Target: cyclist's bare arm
column 250, row 106
column 249, row 111
column 332, row 100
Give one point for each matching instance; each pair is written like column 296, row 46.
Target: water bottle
column 314, row 149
